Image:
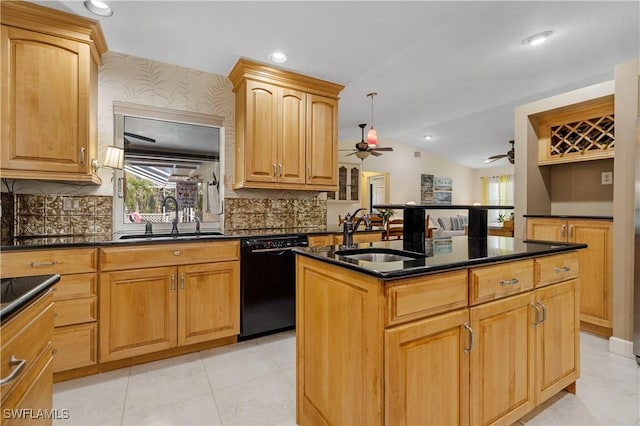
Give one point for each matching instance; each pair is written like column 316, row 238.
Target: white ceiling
column 452, row 69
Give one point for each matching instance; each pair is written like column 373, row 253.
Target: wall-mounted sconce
column 113, row 159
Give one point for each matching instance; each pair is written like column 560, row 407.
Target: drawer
column 556, row 268
column 43, row 262
column 75, row 286
column 75, row 311
column 419, row 297
column 320, row 240
column 148, row 256
column 501, row 280
column 25, row 336
column 75, row 346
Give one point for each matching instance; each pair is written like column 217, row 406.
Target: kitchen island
column 472, row 331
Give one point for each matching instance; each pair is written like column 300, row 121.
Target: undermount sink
column 179, row 235
column 379, row 255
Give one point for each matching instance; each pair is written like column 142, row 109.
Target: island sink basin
column 379, row 255
column 179, row 235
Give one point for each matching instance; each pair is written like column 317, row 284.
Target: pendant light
column 372, row 136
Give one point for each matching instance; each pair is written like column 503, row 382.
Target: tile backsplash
column 255, row 213
column 37, row 215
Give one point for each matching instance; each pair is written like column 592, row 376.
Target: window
column 498, row 190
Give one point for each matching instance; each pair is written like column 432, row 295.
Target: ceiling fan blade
column 142, row 138
column 381, row 149
column 351, row 153
column 346, row 149
column 495, row 157
column 376, row 154
column 490, row 160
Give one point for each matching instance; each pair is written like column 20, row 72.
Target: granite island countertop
column 441, row 254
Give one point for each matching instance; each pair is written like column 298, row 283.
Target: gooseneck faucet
column 174, row 228
column 348, row 227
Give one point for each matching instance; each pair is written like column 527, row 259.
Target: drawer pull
column 177, row 253
column 471, row 338
column 43, row 264
column 19, row 366
column 563, row 269
column 512, row 281
column 537, row 315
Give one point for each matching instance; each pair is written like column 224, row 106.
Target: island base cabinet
column 153, row 309
column 557, row 339
column 430, row 351
column 339, row 363
column 502, row 361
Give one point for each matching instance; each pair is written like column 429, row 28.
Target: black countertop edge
column 28, row 288
column 114, row 240
column 415, row 271
column 569, row 216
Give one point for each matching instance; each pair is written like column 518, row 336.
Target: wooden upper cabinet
column 286, row 129
column 578, row 132
column 49, row 88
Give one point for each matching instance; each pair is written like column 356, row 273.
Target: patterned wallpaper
column 142, row 81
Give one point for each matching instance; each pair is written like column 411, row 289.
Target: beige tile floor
column 253, row 383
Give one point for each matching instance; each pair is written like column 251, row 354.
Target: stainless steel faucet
column 174, row 228
column 348, row 227
column 197, row 219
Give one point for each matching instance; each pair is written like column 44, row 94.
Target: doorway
column 375, row 189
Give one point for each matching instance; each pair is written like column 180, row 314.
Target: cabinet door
column 291, row 136
column 208, row 302
column 557, row 339
column 547, row 229
column 427, row 371
column 322, row 141
column 502, row 385
column 596, row 272
column 45, row 103
column 261, row 133
column 137, row 312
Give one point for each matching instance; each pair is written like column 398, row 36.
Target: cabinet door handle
column 563, row 269
column 537, row 315
column 281, row 170
column 19, row 366
column 544, row 311
column 181, row 281
column 309, row 172
column 570, row 231
column 82, row 156
column 274, row 169
column 562, row 229
column 512, row 281
column 43, row 264
column 173, row 282
column 471, row 338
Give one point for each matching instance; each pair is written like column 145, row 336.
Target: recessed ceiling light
column 537, row 39
column 278, row 57
column 428, row 137
column 97, row 7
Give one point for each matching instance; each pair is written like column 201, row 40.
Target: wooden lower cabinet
column 596, row 264
column 502, row 361
column 152, row 309
column 453, row 363
column 430, row 351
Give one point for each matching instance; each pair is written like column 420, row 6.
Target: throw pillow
column 455, row 223
column 464, row 220
column 441, row 223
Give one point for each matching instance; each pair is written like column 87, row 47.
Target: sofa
column 448, row 226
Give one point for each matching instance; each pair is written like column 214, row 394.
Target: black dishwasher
column 268, row 284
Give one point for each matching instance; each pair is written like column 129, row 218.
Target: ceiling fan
column 363, row 149
column 139, row 137
column 510, row 155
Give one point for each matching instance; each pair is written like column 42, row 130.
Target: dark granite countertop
column 16, row 293
column 570, row 216
column 69, row 241
column 441, row 254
